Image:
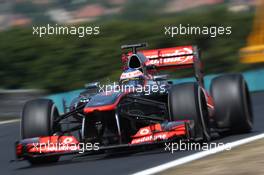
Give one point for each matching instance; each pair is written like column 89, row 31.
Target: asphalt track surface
column 103, row 164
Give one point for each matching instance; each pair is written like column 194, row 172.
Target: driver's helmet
column 132, row 77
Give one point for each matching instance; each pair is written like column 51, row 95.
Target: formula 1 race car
column 143, row 108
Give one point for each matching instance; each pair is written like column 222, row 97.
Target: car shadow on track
column 100, row 157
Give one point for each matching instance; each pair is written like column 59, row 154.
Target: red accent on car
column 104, row 107
column 154, row 133
column 174, row 57
column 148, row 130
column 51, row 144
column 100, row 108
column 209, row 99
column 19, row 149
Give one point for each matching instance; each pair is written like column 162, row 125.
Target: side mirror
column 93, row 85
column 160, row 77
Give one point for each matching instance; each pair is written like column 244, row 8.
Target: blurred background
column 61, row 63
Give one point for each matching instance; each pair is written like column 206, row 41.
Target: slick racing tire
column 38, row 120
column 233, row 109
column 187, row 102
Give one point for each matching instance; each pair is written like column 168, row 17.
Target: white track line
column 198, row 155
column 9, row 121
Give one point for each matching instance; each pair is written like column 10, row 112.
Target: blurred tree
column 60, row 63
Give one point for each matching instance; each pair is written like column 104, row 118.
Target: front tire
column 187, row 102
column 37, row 121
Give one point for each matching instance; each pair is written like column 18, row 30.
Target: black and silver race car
column 143, row 108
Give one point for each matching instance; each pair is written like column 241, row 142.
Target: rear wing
column 172, row 58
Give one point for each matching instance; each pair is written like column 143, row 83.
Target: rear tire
column 233, row 110
column 187, row 102
column 37, row 121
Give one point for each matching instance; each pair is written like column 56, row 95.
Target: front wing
column 64, row 145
